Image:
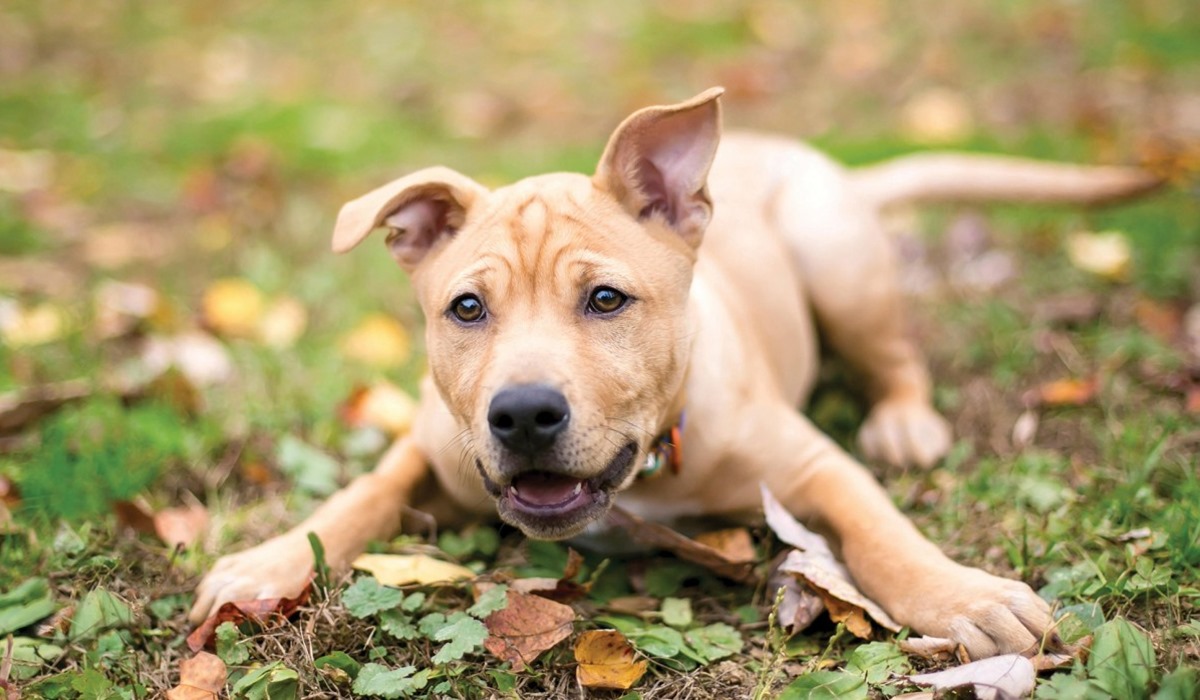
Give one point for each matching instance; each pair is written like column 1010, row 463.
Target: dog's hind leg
column 369, row 508
column 848, row 267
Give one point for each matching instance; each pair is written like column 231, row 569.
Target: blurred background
column 176, row 337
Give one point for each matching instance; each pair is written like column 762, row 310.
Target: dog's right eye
column 467, row 308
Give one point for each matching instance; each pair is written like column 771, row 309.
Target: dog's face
column 557, row 309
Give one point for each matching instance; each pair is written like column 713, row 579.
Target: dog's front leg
column 890, row 560
column 369, row 508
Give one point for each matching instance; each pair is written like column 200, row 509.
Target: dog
column 585, row 348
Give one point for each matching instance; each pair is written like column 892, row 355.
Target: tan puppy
column 572, row 321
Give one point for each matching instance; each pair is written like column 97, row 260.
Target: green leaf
column 504, row 681
column 1180, row 684
column 341, row 661
column 98, row 611
column 271, row 682
column 1064, row 686
column 482, row 540
column 1121, row 660
column 666, row 578
column 29, row 655
column 546, row 559
column 877, row 661
column 492, row 600
column 311, row 469
column 463, row 634
column 320, row 565
column 413, row 602
column 92, row 685
column 379, row 681
column 365, row 597
column 661, row 642
column 228, row 648
column 826, row 685
column 398, row 624
column 677, row 612
column 716, row 641
column 24, row 605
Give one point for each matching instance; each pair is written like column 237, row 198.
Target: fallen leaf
column 282, row 323
column 19, row 409
column 378, row 341
column 37, row 325
column 633, row 604
column 182, row 526
column 800, row 605
column 1064, row 392
column 199, row 356
column 937, row 116
column 383, row 405
column 733, row 543
column 25, row 171
column 814, row 561
column 997, row 678
column 402, row 569
column 1025, row 429
column 607, row 660
column 1161, row 320
column 1068, row 309
column 656, row 535
column 121, row 307
column 233, row 307
column 201, row 677
column 263, row 612
column 118, row 244
column 1105, row 254
column 526, row 627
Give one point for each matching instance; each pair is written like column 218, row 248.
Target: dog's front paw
column 278, row 568
column 904, row 433
column 987, row 614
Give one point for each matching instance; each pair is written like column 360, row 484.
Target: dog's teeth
column 578, row 489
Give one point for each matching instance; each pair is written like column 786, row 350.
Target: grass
column 198, row 141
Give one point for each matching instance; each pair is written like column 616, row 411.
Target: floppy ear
column 419, row 209
column 656, row 163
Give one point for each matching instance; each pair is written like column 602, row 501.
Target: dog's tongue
column 545, row 489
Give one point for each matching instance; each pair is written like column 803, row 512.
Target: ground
column 198, row 151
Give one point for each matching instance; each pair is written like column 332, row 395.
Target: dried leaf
column 1064, row 392
column 1025, row 429
column 174, row 526
column 201, row 677
column 1008, row 676
column 733, row 543
column 937, row 116
column 402, row 569
column 1104, row 254
column 122, row 306
column 607, row 660
column 283, row 322
column 122, row 243
column 379, row 341
column 633, row 604
column 1163, row 321
column 233, row 307
column 815, row 563
column 37, row 325
column 20, row 409
column 1068, row 309
column 263, row 611
column 526, row 627
column 199, row 356
column 22, row 172
column 383, row 405
column 800, row 605
column 656, row 535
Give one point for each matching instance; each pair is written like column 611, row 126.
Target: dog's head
column 556, row 308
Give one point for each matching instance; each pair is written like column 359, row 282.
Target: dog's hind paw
column 278, row 568
column 904, row 433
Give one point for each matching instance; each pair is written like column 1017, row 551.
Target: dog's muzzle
column 541, row 496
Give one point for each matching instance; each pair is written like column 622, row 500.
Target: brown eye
column 467, row 308
column 606, row 300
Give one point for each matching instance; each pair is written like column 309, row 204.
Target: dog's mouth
column 554, row 505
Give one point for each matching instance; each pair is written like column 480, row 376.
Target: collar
column 666, row 450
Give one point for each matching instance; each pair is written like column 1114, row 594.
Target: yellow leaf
column 379, row 341
column 937, row 116
column 607, row 660
column 44, row 323
column 283, row 323
column 1105, row 254
column 233, row 307
column 401, row 569
column 383, row 405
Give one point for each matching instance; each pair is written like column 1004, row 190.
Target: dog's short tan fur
column 727, row 329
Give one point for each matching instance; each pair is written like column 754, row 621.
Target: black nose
column 528, row 417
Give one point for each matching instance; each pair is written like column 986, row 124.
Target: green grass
column 234, row 130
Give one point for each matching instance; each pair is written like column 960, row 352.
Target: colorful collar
column 666, row 450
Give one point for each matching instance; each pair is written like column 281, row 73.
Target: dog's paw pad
column 904, row 434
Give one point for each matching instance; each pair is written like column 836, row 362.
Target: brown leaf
column 201, row 677
column 814, row 562
column 657, row 535
column 526, row 627
column 1068, row 309
column 121, row 307
column 633, row 604
column 179, row 526
column 733, row 543
column 1163, row 321
column 20, row 409
column 607, row 660
column 265, row 612
column 1064, row 392
column 800, row 605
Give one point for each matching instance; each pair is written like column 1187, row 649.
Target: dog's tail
column 963, row 177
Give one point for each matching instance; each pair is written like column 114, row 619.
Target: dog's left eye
column 605, row 300
column 467, row 308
